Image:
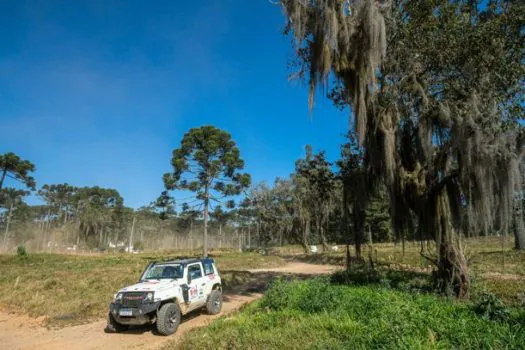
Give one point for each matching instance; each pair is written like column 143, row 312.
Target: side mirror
column 189, row 277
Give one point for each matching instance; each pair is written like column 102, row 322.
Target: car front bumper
column 141, row 314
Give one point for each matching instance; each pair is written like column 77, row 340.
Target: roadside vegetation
column 317, row 314
column 494, row 268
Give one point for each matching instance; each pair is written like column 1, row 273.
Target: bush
column 21, row 251
column 491, row 307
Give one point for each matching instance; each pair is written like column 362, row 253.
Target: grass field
column 494, row 267
column 72, row 289
column 317, row 314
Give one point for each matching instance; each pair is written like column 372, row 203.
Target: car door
column 196, row 292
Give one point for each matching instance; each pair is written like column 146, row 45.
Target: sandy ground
column 23, row 332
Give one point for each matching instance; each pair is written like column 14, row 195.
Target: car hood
column 151, row 286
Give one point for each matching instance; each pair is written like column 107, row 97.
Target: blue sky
column 101, row 92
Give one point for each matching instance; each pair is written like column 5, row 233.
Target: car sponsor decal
column 193, row 292
column 212, row 276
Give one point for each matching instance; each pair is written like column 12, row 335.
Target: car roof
column 184, row 261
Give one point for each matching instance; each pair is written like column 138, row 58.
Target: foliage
column 14, row 167
column 491, row 307
column 208, row 163
column 436, row 91
column 353, row 317
column 316, row 296
column 408, row 281
column 165, row 204
column 314, row 173
column 21, row 251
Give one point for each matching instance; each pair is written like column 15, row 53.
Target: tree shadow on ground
column 319, row 259
column 411, row 281
column 246, row 283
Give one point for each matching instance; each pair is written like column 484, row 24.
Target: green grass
column 315, row 314
column 495, row 267
column 72, row 289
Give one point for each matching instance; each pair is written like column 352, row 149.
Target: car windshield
column 157, row 272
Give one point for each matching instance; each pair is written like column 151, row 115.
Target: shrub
column 491, row 307
column 21, row 251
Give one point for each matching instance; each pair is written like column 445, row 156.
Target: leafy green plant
column 21, row 251
column 491, row 307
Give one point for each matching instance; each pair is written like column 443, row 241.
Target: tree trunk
column 348, row 258
column 191, row 233
column 258, row 228
column 206, row 203
column 4, row 173
column 130, row 245
column 4, row 245
column 519, row 230
column 403, row 244
column 452, row 274
column 65, row 215
column 322, row 234
column 359, row 230
column 306, row 233
column 346, row 224
column 220, row 235
column 101, row 236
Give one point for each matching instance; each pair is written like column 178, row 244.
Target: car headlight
column 117, row 297
column 149, row 297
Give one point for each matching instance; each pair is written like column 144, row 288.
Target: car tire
column 214, row 304
column 114, row 326
column 168, row 318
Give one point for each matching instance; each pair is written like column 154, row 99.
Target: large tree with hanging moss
column 436, row 93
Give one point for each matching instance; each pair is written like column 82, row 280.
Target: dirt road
column 23, row 332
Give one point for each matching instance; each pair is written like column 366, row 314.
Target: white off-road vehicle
column 166, row 290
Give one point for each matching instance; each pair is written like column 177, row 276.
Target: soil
column 24, row 332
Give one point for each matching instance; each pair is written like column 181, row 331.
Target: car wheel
column 114, row 326
column 168, row 318
column 214, row 304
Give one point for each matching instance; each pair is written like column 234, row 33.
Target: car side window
column 195, row 271
column 208, row 268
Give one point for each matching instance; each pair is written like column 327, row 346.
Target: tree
column 99, row 212
column 316, row 171
column 221, row 217
column 188, row 217
column 17, row 169
column 518, row 223
column 355, row 196
column 272, row 210
column 58, row 198
column 12, row 198
column 165, row 205
column 207, row 163
column 436, row 91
